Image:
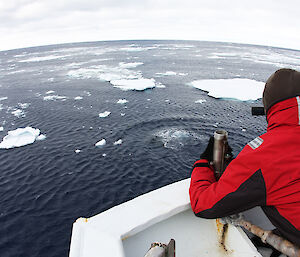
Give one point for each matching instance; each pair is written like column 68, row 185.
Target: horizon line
column 135, row 40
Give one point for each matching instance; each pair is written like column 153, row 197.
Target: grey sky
column 40, row 22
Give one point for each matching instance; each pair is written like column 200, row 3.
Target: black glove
column 208, row 152
column 228, row 155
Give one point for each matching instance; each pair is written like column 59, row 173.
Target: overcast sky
column 41, row 22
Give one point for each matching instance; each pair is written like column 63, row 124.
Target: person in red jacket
column 266, row 172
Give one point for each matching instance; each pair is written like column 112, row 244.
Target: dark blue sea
column 152, row 136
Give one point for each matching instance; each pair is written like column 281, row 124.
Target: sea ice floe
column 134, row 84
column 20, row 137
column 41, row 137
column 78, row 98
column 167, row 73
column 264, row 56
column 118, row 142
column 55, row 97
column 104, row 73
column 18, row 113
column 77, row 151
column 1, row 129
column 43, row 58
column 239, row 89
column 3, row 98
column 87, row 93
column 104, row 114
column 50, row 92
column 101, row 143
column 122, row 101
column 129, row 65
column 24, row 105
column 121, row 76
column 182, row 46
column 136, row 48
column 159, row 85
column 200, row 101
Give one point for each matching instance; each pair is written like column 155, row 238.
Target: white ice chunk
column 101, row 143
column 104, row 73
column 50, row 92
column 3, row 98
column 78, row 98
column 24, row 105
column 133, row 49
column 19, row 137
column 77, row 151
column 200, row 101
column 130, row 64
column 159, row 85
column 18, row 113
column 133, row 84
column 167, row 73
column 118, row 142
column 87, row 93
column 239, row 89
column 104, row 114
column 55, row 97
column 1, row 129
column 122, row 101
column 41, row 137
column 43, row 58
column 264, row 56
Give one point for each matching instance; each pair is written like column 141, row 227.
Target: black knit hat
column 282, row 85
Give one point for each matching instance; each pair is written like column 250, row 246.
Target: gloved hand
column 208, row 152
column 228, row 155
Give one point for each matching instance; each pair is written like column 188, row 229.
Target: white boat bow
column 129, row 229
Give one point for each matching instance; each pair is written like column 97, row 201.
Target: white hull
column 130, row 228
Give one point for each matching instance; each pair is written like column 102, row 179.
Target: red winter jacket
column 266, row 173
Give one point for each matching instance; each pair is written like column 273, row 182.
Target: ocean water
column 133, row 97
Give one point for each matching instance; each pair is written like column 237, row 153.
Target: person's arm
column 241, row 187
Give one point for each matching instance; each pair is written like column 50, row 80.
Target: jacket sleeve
column 241, row 187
